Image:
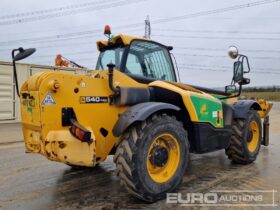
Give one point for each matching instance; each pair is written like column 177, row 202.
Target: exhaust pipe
column 111, row 67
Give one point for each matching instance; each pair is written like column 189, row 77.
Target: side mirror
column 238, row 72
column 233, row 52
column 229, row 89
column 23, row 53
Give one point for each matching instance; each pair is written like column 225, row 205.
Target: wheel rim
column 253, row 137
column 163, row 158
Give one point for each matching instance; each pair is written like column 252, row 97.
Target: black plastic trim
column 207, row 138
column 132, row 95
column 228, row 114
column 241, row 108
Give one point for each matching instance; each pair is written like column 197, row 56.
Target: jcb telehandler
column 133, row 107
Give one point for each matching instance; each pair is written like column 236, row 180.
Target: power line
column 163, row 20
column 244, row 18
column 225, row 67
column 193, row 15
column 224, row 70
column 67, row 28
column 222, row 56
column 224, row 50
column 215, row 11
column 71, row 12
column 52, row 56
column 60, row 41
column 51, row 10
column 175, row 47
column 61, row 37
column 201, row 55
column 57, row 45
column 213, row 37
column 67, row 54
column 216, row 31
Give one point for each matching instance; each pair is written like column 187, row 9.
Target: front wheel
column 152, row 157
column 246, row 139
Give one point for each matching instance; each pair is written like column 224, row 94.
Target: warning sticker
column 49, row 100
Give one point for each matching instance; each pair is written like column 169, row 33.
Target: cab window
column 110, row 56
column 150, row 60
column 133, row 64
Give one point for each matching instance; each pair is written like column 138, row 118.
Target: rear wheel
column 246, row 139
column 152, row 157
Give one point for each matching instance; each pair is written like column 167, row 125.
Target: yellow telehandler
column 133, row 107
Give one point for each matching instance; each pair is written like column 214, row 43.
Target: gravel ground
column 275, row 119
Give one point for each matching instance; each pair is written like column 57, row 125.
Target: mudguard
column 139, row 112
column 241, row 108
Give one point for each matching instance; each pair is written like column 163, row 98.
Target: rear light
column 79, row 131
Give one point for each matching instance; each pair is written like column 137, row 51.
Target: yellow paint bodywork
column 61, row 145
column 126, row 40
column 42, row 125
column 266, row 107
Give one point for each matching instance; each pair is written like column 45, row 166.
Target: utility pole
column 147, row 28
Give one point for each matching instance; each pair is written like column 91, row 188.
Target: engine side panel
column 200, row 106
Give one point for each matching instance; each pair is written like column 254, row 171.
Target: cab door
column 151, row 60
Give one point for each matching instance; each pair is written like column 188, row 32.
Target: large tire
column 141, row 172
column 246, row 139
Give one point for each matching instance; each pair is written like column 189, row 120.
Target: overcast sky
column 71, row 27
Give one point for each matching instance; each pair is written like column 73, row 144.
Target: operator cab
column 142, row 60
column 146, row 61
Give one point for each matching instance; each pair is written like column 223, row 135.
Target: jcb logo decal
column 203, row 109
column 93, row 99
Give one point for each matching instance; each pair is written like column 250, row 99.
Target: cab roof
column 120, row 39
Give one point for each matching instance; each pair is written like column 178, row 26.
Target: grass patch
column 270, row 96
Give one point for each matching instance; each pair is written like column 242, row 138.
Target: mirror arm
column 241, row 58
column 15, row 71
column 233, row 96
column 249, row 69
